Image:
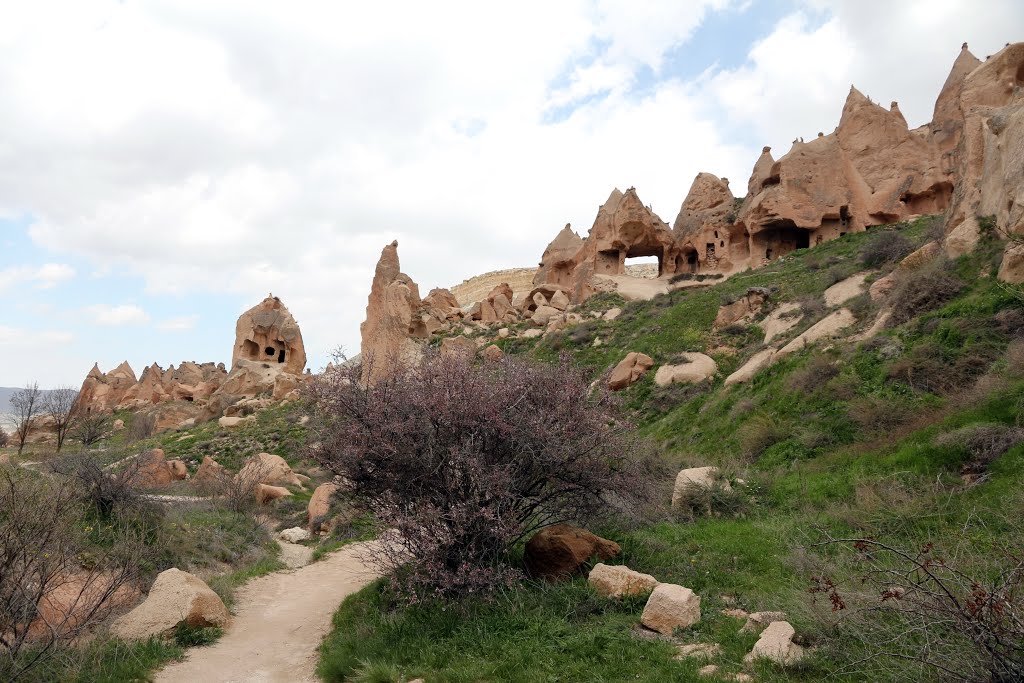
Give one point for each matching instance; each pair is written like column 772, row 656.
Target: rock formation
column 176, row 596
column 268, row 333
column 873, row 169
column 388, row 331
column 102, row 392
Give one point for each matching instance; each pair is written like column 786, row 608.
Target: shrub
column 920, row 616
column 142, row 427
column 885, row 247
column 54, row 584
column 464, row 460
column 813, row 376
column 4, row 439
column 760, row 433
column 982, row 443
column 717, row 500
column 922, row 291
column 90, row 428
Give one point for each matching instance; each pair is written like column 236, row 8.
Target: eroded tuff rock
column 705, row 226
column 176, row 596
column 102, row 392
column 388, row 331
column 268, row 333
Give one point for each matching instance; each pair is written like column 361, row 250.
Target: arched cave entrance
column 780, row 238
column 645, row 267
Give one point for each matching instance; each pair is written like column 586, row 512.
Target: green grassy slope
column 845, row 435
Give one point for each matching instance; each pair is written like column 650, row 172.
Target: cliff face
column 871, row 170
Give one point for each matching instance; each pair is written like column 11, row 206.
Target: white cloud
column 116, row 316
column 249, row 147
column 179, row 324
column 46, row 276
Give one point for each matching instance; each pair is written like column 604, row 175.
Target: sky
column 164, row 165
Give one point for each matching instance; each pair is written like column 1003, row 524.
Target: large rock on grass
column 629, row 370
column 561, row 551
column 320, row 503
column 695, row 368
column 776, row 644
column 616, row 581
column 266, row 468
column 671, row 607
column 176, row 596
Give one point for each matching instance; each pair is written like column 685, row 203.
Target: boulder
column 152, row 470
column 670, row 607
column 560, row 300
column 461, row 346
column 629, row 370
column 698, row 651
column 696, row 478
column 921, row 257
column 294, row 535
column 697, row 368
column 211, row 474
column 235, row 422
column 175, row 596
column 615, row 581
column 178, row 469
column 265, row 493
column 320, row 503
column 560, row 551
column 118, row 425
column 493, row 353
column 776, row 644
column 612, row 313
column 267, row 468
column 543, row 315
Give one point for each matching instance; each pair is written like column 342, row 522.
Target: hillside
column 876, row 438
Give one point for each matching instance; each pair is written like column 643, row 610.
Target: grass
column 846, row 437
column 105, row 661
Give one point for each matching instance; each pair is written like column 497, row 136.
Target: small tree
column 464, row 460
column 91, row 427
column 61, row 405
column 27, row 404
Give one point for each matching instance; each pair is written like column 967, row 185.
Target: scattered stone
column 747, row 306
column 697, row 368
column 696, row 478
column 559, row 300
column 629, row 370
column 532, row 333
column 699, row 651
column 235, row 422
column 460, row 346
column 268, row 494
column 615, row 581
column 709, row 670
column 493, row 353
column 757, row 621
column 1011, row 269
column 735, row 613
column 612, row 313
column 504, row 333
column 294, row 535
column 176, row 596
column 671, row 607
column 560, row 551
column 543, row 315
column 118, row 425
column 776, row 644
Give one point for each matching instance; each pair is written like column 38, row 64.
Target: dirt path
column 279, row 622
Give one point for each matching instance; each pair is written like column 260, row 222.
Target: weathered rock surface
column 776, row 644
column 758, row 621
column 211, row 475
column 615, row 581
column 696, row 478
column 671, row 607
column 843, row 291
column 560, row 551
column 175, row 596
column 152, row 470
column 461, row 346
column 696, row 368
column 296, row 534
column 747, row 306
column 267, row 468
column 748, row 370
column 629, row 370
column 268, row 333
column 320, row 503
column 827, row 327
column 387, row 332
column 265, row 493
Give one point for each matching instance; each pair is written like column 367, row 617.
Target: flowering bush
column 464, row 460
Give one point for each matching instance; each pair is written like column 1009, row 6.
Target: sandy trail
column 279, row 623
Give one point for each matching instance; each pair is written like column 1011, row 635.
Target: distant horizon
column 148, row 201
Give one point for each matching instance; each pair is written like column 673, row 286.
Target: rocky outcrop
column 388, row 331
column 176, row 596
column 152, row 470
column 694, row 368
column 475, row 288
column 559, row 259
column 743, row 308
column 102, row 392
column 705, row 227
column 560, row 551
column 629, row 370
column 268, row 333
